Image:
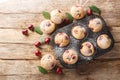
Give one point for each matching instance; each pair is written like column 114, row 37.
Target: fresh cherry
column 59, row 70
column 25, row 32
column 89, row 12
column 37, row 44
column 37, row 53
column 47, row 40
column 31, row 27
column 67, row 21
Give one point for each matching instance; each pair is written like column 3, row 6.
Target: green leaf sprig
column 95, row 9
column 42, row 70
column 69, row 16
column 37, row 29
column 46, row 14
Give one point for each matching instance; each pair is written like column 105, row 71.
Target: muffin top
column 61, row 39
column 48, row 61
column 70, row 56
column 78, row 32
column 87, row 49
column 57, row 16
column 47, row 26
column 103, row 41
column 95, row 24
column 77, row 11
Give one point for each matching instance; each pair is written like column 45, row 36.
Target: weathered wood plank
column 26, row 51
column 34, row 6
column 25, row 77
column 31, row 6
column 19, row 67
column 19, row 20
column 62, row 77
column 23, row 20
column 110, row 9
column 22, row 51
column 92, row 71
column 15, row 36
column 116, row 33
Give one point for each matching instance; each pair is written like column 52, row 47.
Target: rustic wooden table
column 17, row 61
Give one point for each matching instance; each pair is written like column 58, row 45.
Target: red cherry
column 89, row 12
column 73, row 57
column 85, row 33
column 67, row 21
column 31, row 27
column 59, row 70
column 92, row 29
column 37, row 53
column 37, row 44
column 47, row 40
column 25, row 32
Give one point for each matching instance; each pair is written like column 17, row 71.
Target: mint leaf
column 37, row 29
column 46, row 14
column 95, row 9
column 69, row 16
column 42, row 70
column 42, row 39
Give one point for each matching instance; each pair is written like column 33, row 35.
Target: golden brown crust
column 103, row 41
column 87, row 49
column 47, row 26
column 78, row 32
column 48, row 61
column 70, row 56
column 62, row 39
column 77, row 11
column 95, row 25
column 57, row 16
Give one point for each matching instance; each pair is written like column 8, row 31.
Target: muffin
column 70, row 56
column 95, row 24
column 62, row 39
column 103, row 41
column 78, row 32
column 47, row 26
column 57, row 16
column 87, row 49
column 48, row 62
column 77, row 11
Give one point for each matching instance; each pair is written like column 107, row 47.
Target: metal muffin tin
column 76, row 44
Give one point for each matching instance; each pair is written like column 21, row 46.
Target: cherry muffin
column 78, row 11
column 78, row 32
column 70, row 56
column 103, row 41
column 48, row 62
column 87, row 49
column 61, row 39
column 95, row 24
column 57, row 16
column 47, row 26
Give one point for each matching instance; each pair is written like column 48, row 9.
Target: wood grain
column 17, row 37
column 21, row 51
column 26, row 51
column 23, row 20
column 32, row 13
column 94, row 70
column 17, row 21
column 17, row 59
column 35, row 6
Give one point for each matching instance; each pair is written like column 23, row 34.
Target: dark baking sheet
column 76, row 44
